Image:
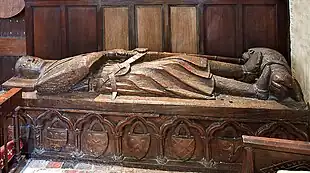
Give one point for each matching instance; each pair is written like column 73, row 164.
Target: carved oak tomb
column 158, row 110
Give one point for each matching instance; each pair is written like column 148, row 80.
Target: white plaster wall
column 300, row 43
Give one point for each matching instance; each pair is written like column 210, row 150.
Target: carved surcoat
column 175, row 76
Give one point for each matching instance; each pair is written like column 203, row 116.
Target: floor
column 47, row 166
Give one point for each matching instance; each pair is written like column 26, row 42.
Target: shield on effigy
column 94, row 143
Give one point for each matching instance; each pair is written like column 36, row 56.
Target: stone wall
column 300, row 43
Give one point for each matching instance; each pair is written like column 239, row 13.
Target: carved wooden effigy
column 164, row 133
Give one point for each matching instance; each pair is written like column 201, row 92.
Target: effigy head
column 28, row 67
column 247, row 55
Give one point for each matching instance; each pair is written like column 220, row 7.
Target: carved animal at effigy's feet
column 140, row 72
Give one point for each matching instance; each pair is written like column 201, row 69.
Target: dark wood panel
column 150, row 27
column 184, row 36
column 82, row 30
column 47, row 32
column 130, row 2
column 7, row 64
column 220, row 28
column 260, row 26
column 13, row 27
column 12, row 46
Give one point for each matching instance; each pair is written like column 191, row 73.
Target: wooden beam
column 12, row 46
column 274, row 144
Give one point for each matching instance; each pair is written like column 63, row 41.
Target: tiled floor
column 45, row 166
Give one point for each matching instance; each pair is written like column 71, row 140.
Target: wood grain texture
column 14, row 26
column 184, row 29
column 47, row 32
column 150, row 27
column 10, row 8
column 7, row 64
column 12, row 46
column 116, row 28
column 282, row 154
column 220, row 29
column 162, row 126
column 82, row 30
column 260, row 26
column 258, row 23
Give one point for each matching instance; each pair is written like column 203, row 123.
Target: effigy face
column 29, row 67
column 264, row 74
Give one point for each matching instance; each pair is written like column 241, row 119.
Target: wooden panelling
column 260, row 26
column 7, row 64
column 82, row 30
column 184, row 29
column 12, row 46
column 116, row 33
column 47, row 32
column 13, row 27
column 150, row 27
column 217, row 27
column 220, row 30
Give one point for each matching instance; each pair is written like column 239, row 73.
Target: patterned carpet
column 45, row 166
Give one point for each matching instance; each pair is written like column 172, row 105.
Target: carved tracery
column 224, row 141
column 182, row 140
column 134, row 137
column 54, row 131
column 283, row 130
column 93, row 134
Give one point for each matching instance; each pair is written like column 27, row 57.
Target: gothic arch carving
column 226, row 137
column 25, row 117
column 129, row 120
column 135, row 141
column 93, row 133
column 54, row 131
column 179, row 142
column 88, row 119
column 283, row 130
column 53, row 115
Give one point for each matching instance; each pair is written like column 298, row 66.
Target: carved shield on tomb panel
column 225, row 142
column 226, row 149
column 94, row 143
column 137, row 143
column 56, row 138
column 182, row 143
